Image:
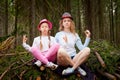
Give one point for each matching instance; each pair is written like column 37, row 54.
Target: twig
column 6, row 70
column 22, row 60
column 117, row 75
column 14, row 75
column 22, row 74
column 12, row 54
column 22, row 64
column 30, row 78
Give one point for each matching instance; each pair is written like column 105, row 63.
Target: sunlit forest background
column 19, row 17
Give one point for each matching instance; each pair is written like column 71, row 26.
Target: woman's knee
column 87, row 50
column 62, row 54
column 61, row 51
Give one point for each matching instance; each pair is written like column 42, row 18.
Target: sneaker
column 52, row 65
column 81, row 71
column 38, row 63
column 67, row 71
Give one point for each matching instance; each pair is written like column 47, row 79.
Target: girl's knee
column 57, row 45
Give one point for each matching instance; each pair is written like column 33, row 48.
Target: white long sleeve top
column 36, row 43
column 72, row 41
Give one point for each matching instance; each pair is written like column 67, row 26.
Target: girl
column 44, row 47
column 67, row 38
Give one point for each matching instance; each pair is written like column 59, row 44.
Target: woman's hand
column 24, row 38
column 65, row 38
column 87, row 33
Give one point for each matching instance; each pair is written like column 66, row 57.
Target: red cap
column 67, row 15
column 45, row 21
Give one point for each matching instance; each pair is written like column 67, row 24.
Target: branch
column 108, row 75
column 22, row 74
column 23, row 64
column 6, row 70
column 100, row 59
column 117, row 75
column 12, row 54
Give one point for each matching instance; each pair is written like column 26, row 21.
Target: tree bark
column 16, row 21
column 100, row 59
column 88, row 14
column 6, row 17
column 32, row 21
column 108, row 75
column 111, row 22
column 68, row 5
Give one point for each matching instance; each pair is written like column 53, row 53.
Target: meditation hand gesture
column 87, row 33
column 24, row 38
column 65, row 38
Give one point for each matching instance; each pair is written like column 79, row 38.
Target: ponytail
column 41, row 45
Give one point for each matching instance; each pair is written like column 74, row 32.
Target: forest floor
column 17, row 64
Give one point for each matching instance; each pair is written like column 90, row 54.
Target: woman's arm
column 79, row 42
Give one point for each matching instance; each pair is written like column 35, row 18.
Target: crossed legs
column 64, row 59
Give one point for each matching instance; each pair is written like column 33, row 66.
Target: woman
column 67, row 38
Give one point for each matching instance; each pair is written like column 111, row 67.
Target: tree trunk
column 100, row 15
column 88, row 14
column 111, row 22
column 79, row 18
column 68, row 5
column 32, row 21
column 118, row 23
column 16, row 20
column 6, row 17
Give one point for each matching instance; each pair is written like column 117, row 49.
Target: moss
column 109, row 54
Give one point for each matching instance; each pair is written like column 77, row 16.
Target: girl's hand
column 24, row 38
column 65, row 38
column 87, row 33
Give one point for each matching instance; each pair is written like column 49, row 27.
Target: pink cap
column 45, row 21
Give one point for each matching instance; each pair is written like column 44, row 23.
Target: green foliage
column 31, row 71
column 3, row 38
column 109, row 54
column 107, row 51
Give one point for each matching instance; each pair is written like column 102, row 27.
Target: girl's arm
column 25, row 45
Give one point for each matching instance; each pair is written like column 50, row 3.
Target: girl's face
column 44, row 28
column 67, row 23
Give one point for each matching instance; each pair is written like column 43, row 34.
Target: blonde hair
column 41, row 45
column 72, row 26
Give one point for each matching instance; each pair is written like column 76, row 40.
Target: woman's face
column 44, row 28
column 67, row 23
